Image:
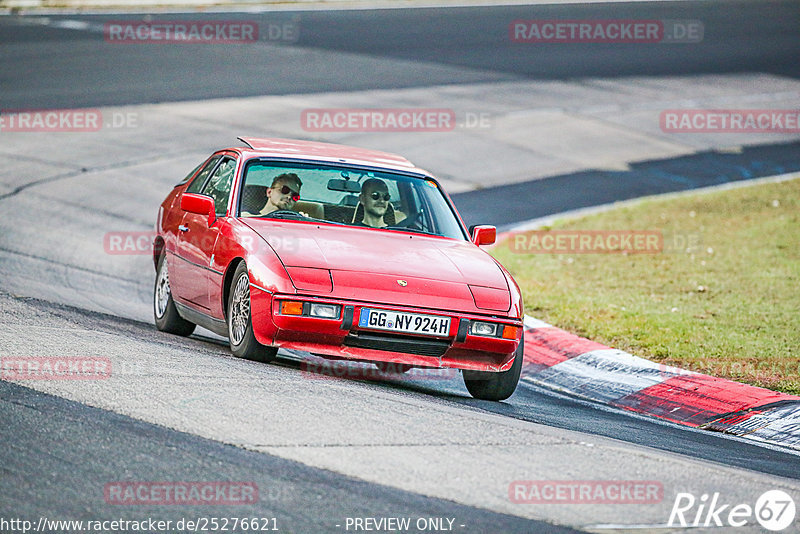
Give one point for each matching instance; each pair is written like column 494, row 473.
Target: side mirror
column 483, row 234
column 199, row 204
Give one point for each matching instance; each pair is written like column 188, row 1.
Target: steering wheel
column 410, row 221
column 278, row 213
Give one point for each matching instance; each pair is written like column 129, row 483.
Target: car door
column 181, row 283
column 196, row 237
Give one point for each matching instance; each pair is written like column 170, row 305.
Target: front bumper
column 343, row 338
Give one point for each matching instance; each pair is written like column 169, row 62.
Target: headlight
column 309, row 309
column 325, row 311
column 479, row 328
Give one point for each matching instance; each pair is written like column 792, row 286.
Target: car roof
column 327, row 152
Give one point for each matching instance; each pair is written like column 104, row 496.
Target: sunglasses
column 285, row 190
column 375, row 196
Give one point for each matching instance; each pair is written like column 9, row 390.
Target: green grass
column 728, row 306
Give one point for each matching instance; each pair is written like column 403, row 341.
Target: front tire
column 240, row 325
column 164, row 311
column 496, row 386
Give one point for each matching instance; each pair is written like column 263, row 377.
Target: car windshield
column 347, row 196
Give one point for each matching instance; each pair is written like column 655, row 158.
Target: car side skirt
column 217, row 326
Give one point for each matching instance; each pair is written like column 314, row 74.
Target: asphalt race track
column 321, row 449
column 76, row 432
column 59, row 67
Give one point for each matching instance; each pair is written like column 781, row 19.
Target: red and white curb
column 558, row 360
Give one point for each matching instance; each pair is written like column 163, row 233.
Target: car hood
column 363, row 261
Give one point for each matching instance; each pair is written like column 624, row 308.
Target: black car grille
column 408, row 345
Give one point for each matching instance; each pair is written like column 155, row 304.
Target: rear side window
column 200, row 180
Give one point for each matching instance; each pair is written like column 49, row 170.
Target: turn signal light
column 510, row 332
column 289, row 307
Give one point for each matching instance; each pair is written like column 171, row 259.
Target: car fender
column 517, row 309
column 237, row 242
column 166, row 227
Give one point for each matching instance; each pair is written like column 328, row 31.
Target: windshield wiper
column 407, row 229
column 297, row 216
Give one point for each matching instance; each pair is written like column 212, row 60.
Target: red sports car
column 338, row 251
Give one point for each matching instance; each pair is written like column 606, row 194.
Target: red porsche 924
column 338, row 251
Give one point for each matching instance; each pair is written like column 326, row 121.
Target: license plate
column 410, row 323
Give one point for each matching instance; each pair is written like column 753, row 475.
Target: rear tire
column 164, row 311
column 240, row 325
column 496, row 386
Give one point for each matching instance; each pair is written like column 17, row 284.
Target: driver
column 375, row 199
column 283, row 193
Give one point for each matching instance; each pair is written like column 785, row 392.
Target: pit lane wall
column 559, row 360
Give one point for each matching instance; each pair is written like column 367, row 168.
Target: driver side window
column 200, row 179
column 218, row 186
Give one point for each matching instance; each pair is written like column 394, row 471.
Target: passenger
column 375, row 199
column 283, row 194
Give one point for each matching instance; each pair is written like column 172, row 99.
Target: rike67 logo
column 774, row 510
